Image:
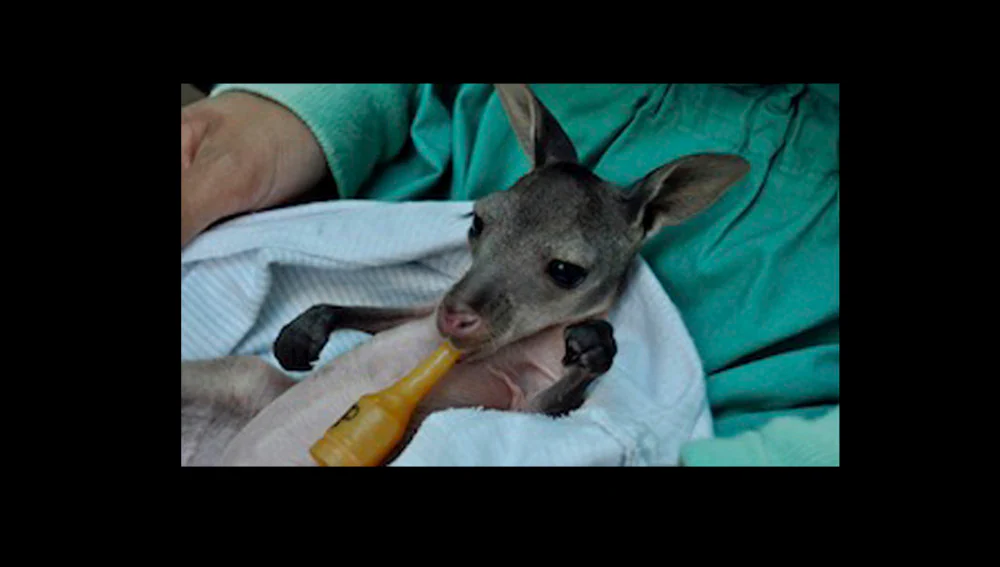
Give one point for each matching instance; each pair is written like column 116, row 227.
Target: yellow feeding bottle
column 372, row 428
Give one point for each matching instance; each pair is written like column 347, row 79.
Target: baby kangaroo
column 553, row 250
column 549, row 258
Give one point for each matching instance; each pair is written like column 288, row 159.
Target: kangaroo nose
column 458, row 322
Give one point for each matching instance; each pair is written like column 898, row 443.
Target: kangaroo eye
column 477, row 226
column 566, row 275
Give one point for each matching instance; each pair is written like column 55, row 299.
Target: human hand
column 240, row 153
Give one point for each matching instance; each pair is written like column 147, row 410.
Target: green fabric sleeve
column 359, row 126
column 785, row 441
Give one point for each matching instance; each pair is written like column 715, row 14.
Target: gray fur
column 561, row 211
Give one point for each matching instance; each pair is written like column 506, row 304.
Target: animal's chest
column 507, row 380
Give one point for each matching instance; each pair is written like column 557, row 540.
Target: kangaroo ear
column 540, row 135
column 677, row 191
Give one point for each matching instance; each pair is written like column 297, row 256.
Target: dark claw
column 299, row 343
column 591, row 345
column 296, row 350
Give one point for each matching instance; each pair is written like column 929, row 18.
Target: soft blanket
column 244, row 280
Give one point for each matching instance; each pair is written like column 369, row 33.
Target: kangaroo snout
column 459, row 322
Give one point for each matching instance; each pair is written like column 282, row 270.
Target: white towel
column 245, row 279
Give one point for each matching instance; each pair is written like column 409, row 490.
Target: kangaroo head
column 555, row 247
